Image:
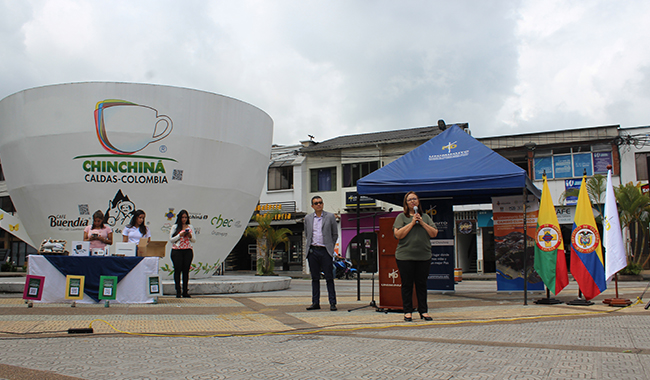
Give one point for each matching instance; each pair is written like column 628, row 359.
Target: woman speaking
column 413, row 254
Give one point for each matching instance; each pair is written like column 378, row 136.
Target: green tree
column 268, row 239
column 634, row 213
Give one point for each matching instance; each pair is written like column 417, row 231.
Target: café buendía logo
column 585, row 238
column 451, row 152
column 123, row 129
column 548, row 237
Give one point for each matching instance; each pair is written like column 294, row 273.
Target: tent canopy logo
column 450, row 146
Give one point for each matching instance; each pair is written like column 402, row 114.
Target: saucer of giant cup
column 68, row 150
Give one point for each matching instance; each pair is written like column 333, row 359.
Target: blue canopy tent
column 454, row 166
column 450, row 165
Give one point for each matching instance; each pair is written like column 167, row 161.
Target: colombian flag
column 550, row 262
column 587, row 264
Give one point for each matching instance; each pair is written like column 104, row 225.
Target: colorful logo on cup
column 132, row 127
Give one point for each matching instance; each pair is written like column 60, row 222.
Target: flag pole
column 619, row 302
column 525, row 246
column 615, row 259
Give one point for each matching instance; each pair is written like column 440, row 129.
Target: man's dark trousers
column 321, row 261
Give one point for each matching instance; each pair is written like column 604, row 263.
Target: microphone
column 415, row 210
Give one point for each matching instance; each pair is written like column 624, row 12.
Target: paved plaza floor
column 477, row 333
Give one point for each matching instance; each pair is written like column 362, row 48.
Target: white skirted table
column 132, row 274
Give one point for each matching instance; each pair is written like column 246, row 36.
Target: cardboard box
column 151, row 249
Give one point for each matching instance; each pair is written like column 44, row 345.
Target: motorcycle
column 344, row 268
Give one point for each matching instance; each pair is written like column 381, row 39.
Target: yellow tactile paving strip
column 240, row 322
column 238, row 314
column 306, row 301
column 162, row 302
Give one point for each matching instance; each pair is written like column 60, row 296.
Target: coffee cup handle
column 164, row 133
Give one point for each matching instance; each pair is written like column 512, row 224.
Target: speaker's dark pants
column 182, row 260
column 321, row 261
column 414, row 272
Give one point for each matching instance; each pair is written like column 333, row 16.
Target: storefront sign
column 364, row 201
column 571, row 184
column 466, row 227
column 601, row 160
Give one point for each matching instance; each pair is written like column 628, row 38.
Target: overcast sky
column 331, row 68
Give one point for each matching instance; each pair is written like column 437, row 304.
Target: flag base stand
column 620, row 302
column 580, row 302
column 548, row 301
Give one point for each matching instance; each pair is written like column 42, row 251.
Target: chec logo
column 585, row 238
column 548, row 237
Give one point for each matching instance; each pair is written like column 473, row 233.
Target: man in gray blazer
column 321, row 233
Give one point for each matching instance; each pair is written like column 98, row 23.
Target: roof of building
column 365, row 139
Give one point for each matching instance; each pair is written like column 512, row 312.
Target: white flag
column 615, row 257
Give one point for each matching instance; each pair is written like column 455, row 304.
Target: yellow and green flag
column 550, row 262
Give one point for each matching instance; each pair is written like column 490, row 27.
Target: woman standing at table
column 413, row 254
column 182, row 237
column 98, row 234
column 136, row 229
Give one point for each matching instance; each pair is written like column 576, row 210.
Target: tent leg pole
column 525, row 249
column 356, row 238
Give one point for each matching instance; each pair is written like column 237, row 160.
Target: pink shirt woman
column 98, row 234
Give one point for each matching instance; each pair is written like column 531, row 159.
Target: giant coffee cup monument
column 70, row 149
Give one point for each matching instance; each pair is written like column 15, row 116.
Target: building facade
column 331, row 168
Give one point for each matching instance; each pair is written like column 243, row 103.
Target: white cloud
column 342, row 67
column 580, row 62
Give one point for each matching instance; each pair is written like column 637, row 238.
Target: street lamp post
column 530, row 148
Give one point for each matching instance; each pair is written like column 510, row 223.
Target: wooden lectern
column 390, row 282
